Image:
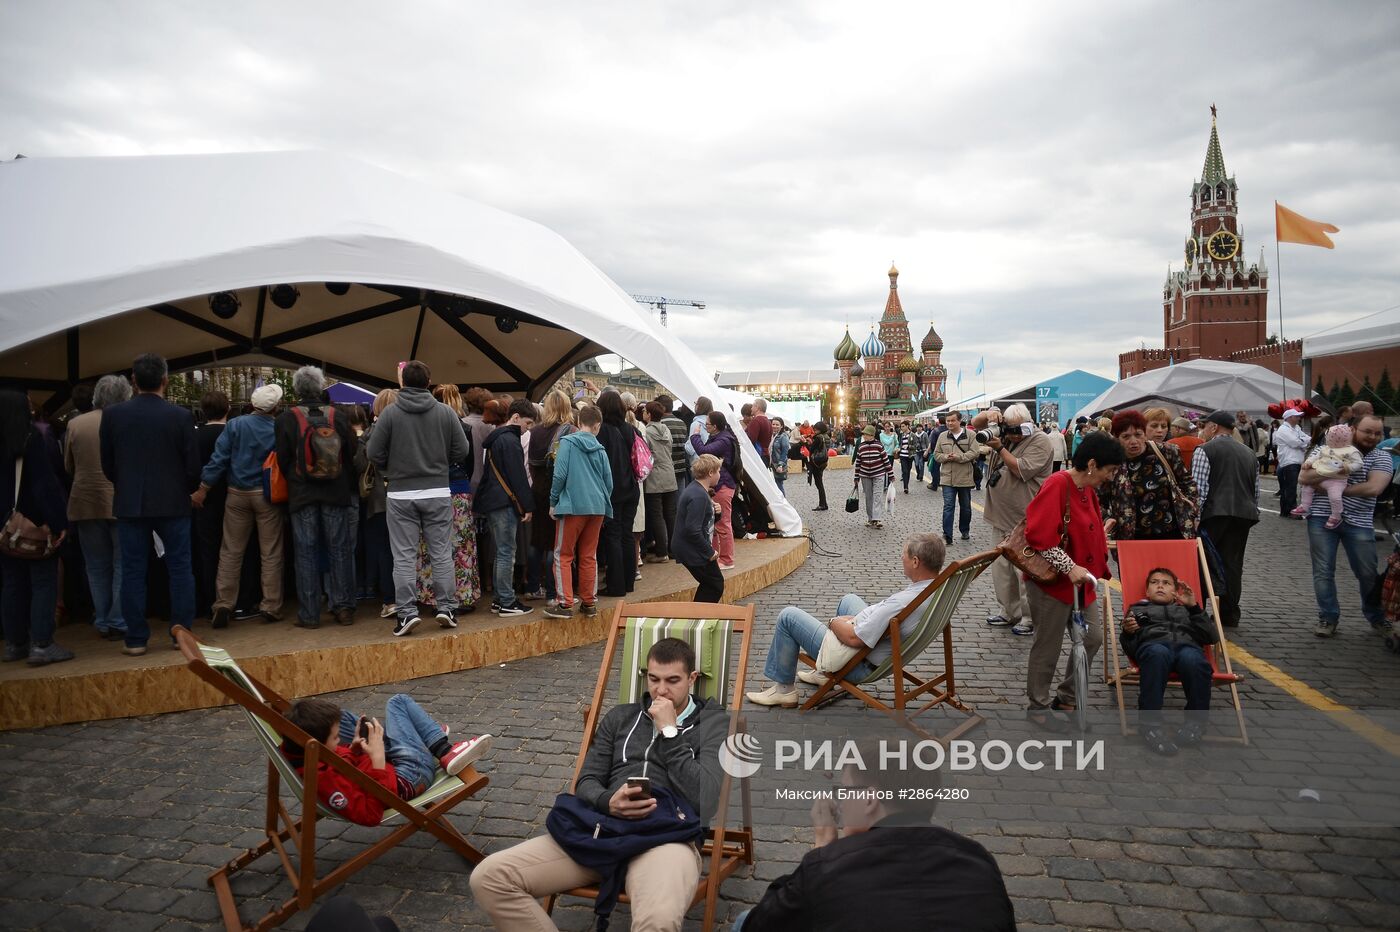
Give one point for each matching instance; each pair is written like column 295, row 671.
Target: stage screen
column 795, row 412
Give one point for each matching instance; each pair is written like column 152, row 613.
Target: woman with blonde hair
column 465, row 578
column 557, row 421
column 1159, row 424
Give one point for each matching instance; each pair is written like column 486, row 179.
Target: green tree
column 1347, row 395
column 1320, row 389
column 1334, row 393
column 1385, row 391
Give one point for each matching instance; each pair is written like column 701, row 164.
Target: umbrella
column 1202, row 384
column 1079, row 661
column 343, row 393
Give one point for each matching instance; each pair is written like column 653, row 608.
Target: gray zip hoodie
column 629, row 745
column 415, row 440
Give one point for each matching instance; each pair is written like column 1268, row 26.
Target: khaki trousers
column 1051, row 627
column 1006, row 581
column 244, row 509
column 509, row 884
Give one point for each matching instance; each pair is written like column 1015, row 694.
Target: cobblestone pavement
column 115, row 825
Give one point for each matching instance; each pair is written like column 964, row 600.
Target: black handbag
column 853, row 500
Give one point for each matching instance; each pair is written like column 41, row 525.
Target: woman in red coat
column 1078, row 548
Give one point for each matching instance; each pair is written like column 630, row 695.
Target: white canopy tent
column 1201, row 385
column 104, row 258
column 1380, row 330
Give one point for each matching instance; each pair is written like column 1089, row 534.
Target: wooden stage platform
column 103, row 683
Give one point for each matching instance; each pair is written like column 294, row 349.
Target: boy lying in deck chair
column 403, row 761
column 832, row 644
column 1164, row 634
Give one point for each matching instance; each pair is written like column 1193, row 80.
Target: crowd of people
column 429, row 501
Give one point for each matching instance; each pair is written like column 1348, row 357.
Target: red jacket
column 347, row 799
column 1087, row 545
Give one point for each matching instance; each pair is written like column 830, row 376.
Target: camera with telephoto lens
column 987, row 433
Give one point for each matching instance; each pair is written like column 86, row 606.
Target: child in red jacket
column 402, row 755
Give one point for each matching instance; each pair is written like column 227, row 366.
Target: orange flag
column 1290, row 227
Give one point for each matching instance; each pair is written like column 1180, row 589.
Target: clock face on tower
column 1223, row 245
column 1190, row 251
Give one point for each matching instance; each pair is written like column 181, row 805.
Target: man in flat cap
column 1227, row 481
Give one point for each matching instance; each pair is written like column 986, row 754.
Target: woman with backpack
column 619, row 440
column 466, row 574
column 725, row 446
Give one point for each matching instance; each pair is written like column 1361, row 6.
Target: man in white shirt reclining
column 856, row 625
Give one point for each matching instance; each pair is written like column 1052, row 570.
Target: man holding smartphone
column 670, row 740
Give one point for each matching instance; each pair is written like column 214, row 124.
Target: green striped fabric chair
column 935, row 606
column 266, row 713
column 711, row 630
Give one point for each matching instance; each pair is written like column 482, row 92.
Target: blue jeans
column 961, row 499
column 329, row 529
column 796, row 630
column 1360, row 545
column 135, row 537
column 1188, row 661
column 504, row 523
column 409, row 732
column 103, row 555
column 28, row 599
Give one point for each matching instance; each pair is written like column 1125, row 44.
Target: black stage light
column 224, row 304
column 337, row 288
column 284, row 296
column 506, row 324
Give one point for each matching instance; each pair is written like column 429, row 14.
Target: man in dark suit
column 886, row 857
column 150, row 455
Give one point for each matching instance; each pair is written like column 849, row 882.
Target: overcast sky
column 1026, row 165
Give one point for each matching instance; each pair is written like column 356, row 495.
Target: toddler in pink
column 1335, row 462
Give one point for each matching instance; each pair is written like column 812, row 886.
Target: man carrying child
column 1164, row 634
column 402, row 754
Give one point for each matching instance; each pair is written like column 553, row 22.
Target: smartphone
column 364, row 728
column 644, row 783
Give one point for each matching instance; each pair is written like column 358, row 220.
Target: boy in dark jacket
column 1165, row 635
column 507, row 500
column 402, row 755
column 673, row 739
column 695, row 527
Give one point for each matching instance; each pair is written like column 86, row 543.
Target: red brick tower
column 1217, row 304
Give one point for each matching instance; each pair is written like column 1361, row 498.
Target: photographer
column 1018, row 462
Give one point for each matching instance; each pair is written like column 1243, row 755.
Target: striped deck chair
column 1137, row 558
column 710, row 630
column 265, row 711
column 936, row 604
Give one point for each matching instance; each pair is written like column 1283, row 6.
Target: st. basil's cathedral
column 884, row 373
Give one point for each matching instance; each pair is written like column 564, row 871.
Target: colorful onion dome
column 847, row 348
column 931, row 341
column 908, row 364
column 873, row 346
column 857, row 369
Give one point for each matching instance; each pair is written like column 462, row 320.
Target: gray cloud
column 1027, row 165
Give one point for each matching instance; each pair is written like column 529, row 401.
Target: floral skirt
column 467, row 581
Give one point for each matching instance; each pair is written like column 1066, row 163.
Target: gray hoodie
column 627, row 744
column 415, row 440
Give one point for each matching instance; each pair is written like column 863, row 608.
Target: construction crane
column 661, row 303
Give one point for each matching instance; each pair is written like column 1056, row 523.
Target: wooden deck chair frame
column 1119, row 675
column 941, row 689
column 725, row 849
column 265, row 706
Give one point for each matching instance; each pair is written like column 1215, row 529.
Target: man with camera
column 955, row 453
column 1019, row 460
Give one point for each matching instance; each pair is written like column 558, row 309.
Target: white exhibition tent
column 1380, row 330
column 1199, row 385
column 102, row 259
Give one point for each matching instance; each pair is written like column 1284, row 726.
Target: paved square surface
column 116, row 825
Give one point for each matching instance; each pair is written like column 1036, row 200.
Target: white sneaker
column 389, row 610
column 815, row 677
column 446, row 620
column 464, row 754
column 786, row 697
